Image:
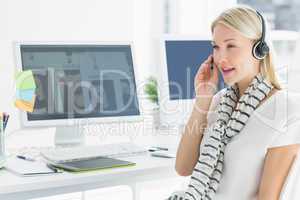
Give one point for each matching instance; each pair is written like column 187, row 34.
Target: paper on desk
column 27, row 168
column 25, row 105
column 25, row 80
column 25, row 95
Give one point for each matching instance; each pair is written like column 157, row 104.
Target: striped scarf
column 233, row 114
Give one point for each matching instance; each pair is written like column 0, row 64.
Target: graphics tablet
column 92, row 164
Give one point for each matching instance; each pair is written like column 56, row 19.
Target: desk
column 147, row 168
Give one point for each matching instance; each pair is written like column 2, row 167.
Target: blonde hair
column 245, row 20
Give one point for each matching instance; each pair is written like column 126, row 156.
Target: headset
column 260, row 48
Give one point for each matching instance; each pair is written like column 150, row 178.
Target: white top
column 276, row 122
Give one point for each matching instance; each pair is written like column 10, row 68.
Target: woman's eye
column 215, row 46
column 231, row 46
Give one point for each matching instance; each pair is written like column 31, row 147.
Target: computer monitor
column 79, row 81
column 181, row 58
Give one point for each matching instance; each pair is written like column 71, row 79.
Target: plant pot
column 156, row 118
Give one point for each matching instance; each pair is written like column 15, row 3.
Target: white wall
column 194, row 17
column 141, row 21
column 148, row 28
column 56, row 20
column 142, row 33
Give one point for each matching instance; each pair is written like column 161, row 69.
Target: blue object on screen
column 184, row 58
column 25, row 95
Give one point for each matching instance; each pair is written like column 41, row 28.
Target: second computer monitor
column 181, row 58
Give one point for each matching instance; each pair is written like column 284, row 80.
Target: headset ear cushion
column 264, row 48
column 260, row 50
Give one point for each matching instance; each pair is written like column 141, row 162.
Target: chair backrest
column 293, row 70
column 291, row 187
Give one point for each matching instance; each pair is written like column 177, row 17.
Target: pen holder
column 2, row 148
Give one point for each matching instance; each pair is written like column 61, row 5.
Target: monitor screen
column 183, row 59
column 81, row 81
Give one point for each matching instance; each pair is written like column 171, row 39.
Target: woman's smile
column 227, row 71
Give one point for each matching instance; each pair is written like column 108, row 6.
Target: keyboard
column 60, row 155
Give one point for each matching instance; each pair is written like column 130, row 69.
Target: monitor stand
column 69, row 136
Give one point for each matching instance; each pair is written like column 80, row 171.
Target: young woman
column 238, row 144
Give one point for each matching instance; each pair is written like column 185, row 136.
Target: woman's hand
column 205, row 83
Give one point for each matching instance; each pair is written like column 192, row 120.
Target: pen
column 25, row 158
column 162, row 155
column 5, row 121
column 161, row 148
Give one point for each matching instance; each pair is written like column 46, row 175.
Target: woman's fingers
column 206, row 79
column 202, row 73
column 205, row 73
column 208, row 60
column 215, row 78
column 215, row 72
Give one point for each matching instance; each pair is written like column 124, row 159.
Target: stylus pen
column 25, row 158
column 161, row 148
column 162, row 155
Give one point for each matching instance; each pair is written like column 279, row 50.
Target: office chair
column 291, row 187
column 293, row 70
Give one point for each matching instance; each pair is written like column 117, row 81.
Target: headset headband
column 262, row 38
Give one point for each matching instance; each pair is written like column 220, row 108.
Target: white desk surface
column 13, row 187
column 146, row 168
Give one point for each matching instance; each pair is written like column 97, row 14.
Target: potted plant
column 151, row 90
